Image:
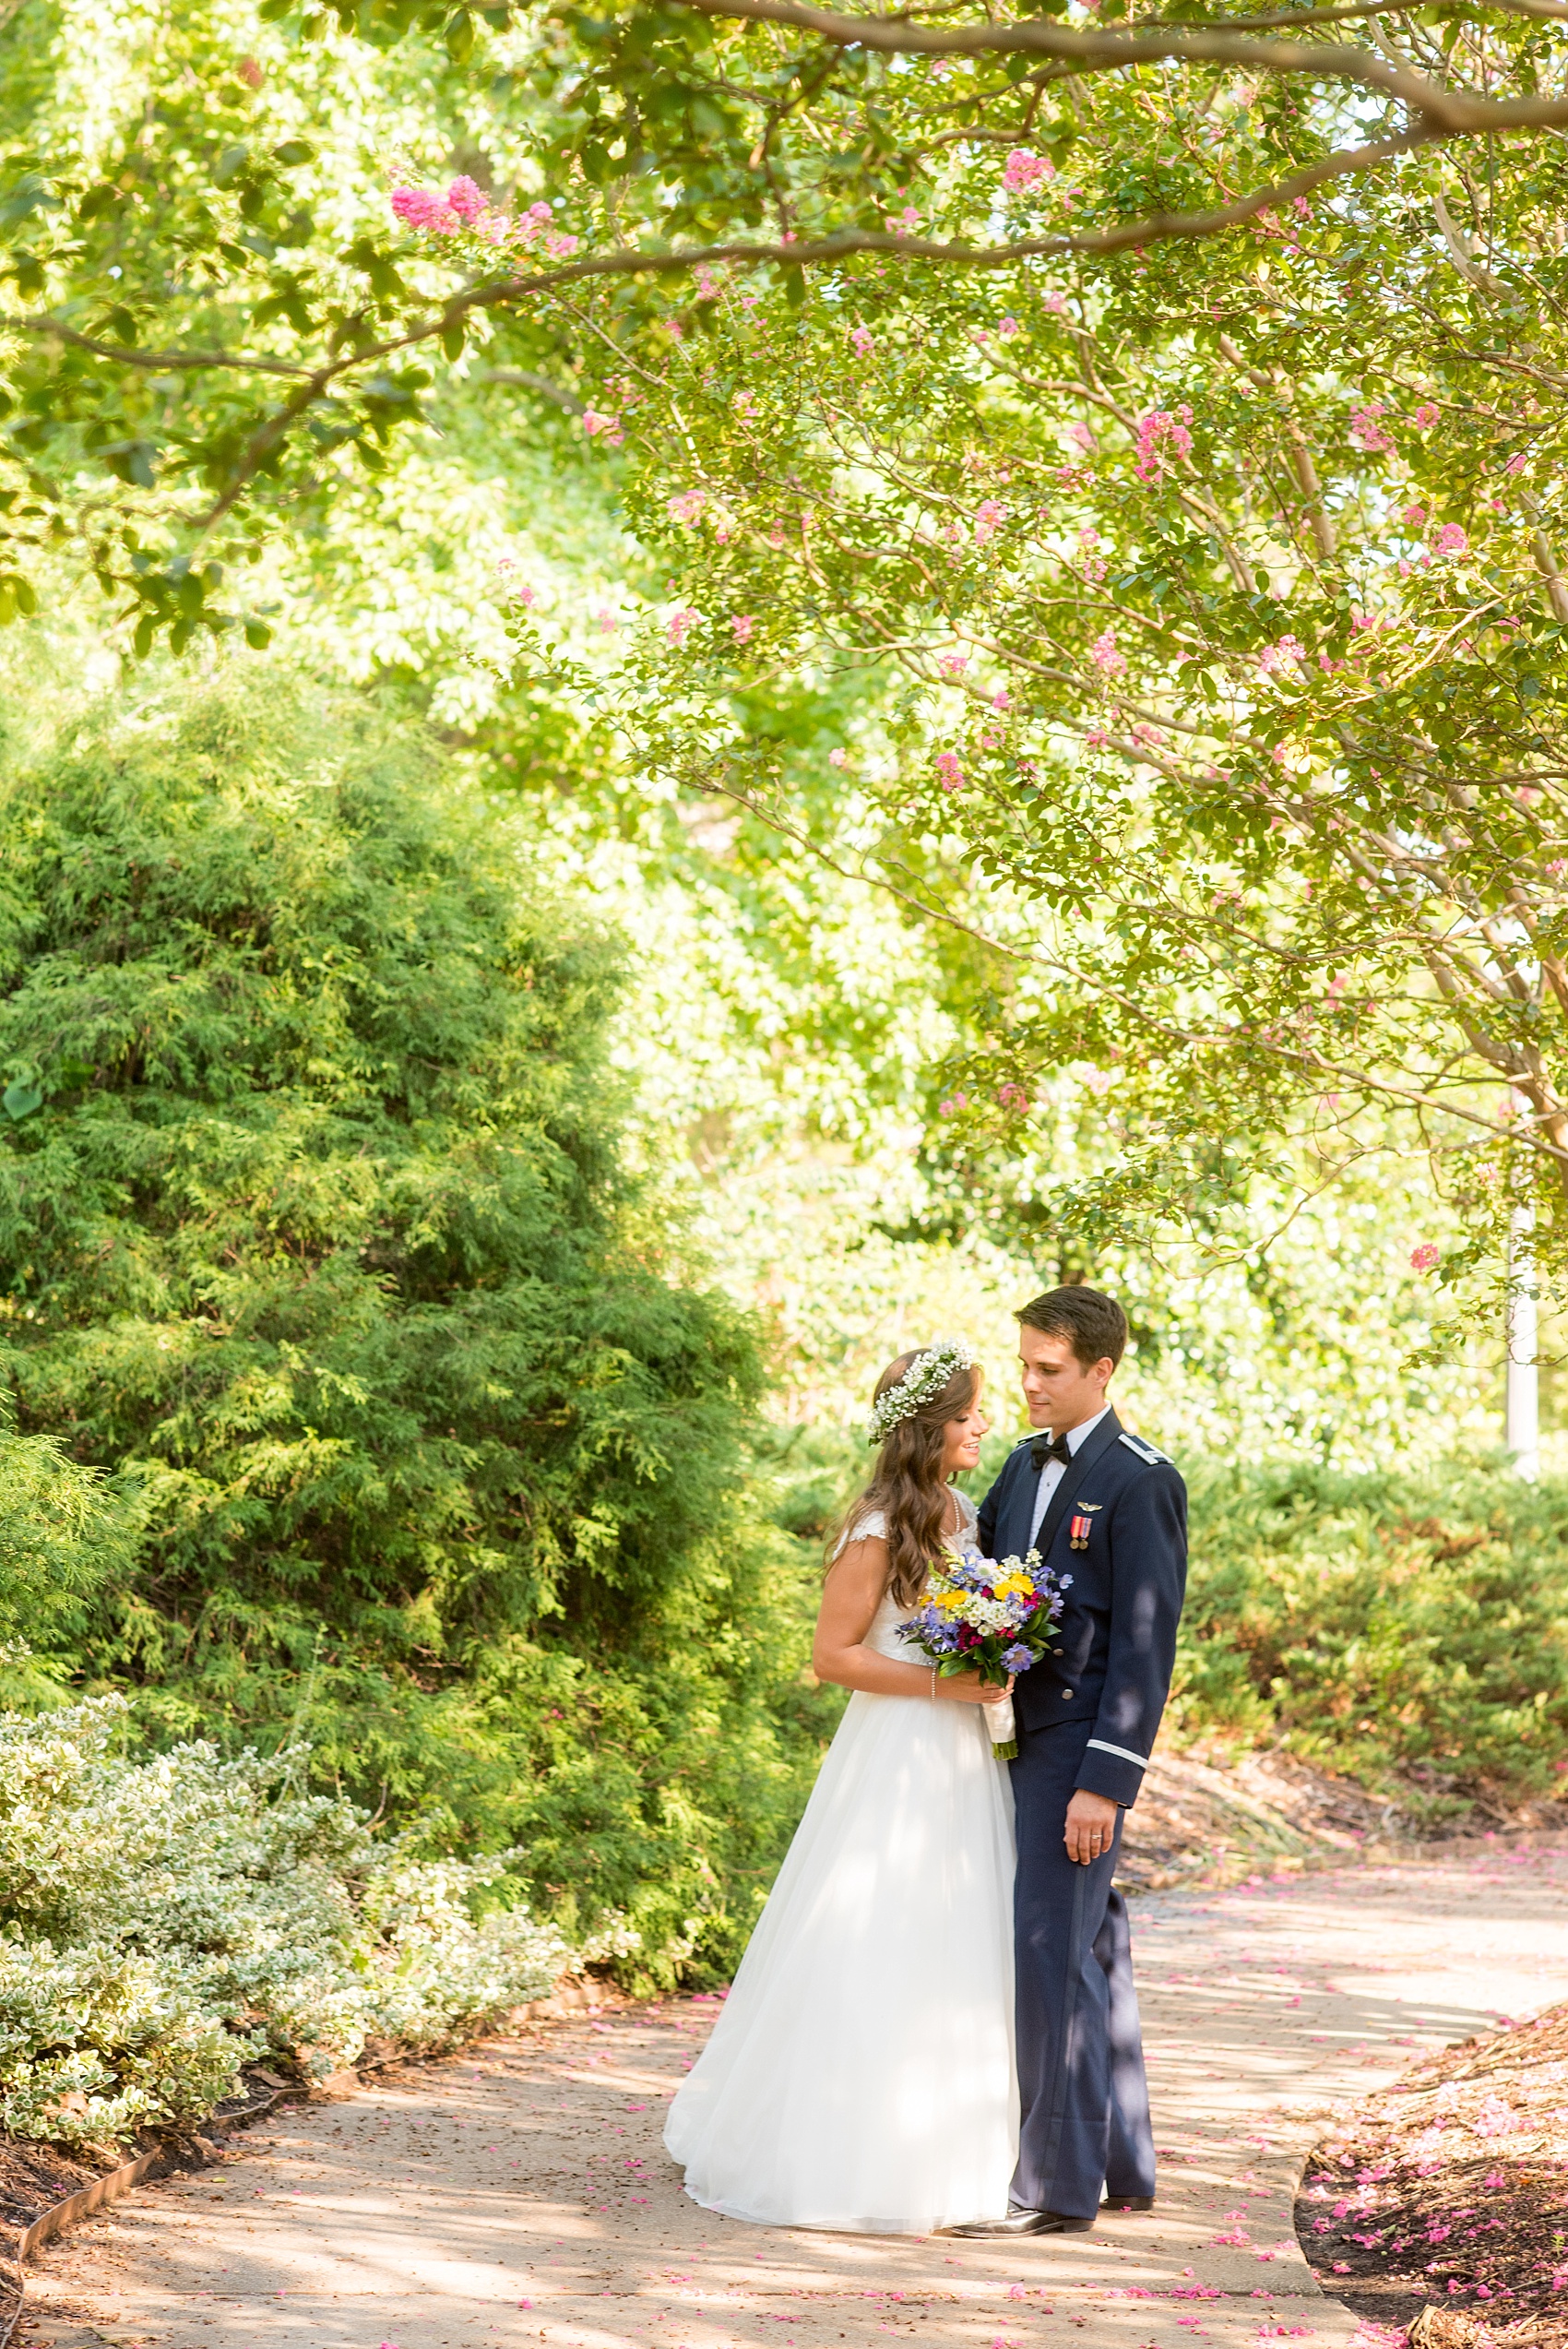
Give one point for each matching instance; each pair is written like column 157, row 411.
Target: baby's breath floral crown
column 925, row 1377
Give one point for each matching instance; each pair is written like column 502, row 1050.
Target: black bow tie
column 1044, row 1448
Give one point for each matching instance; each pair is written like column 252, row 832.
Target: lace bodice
column 883, row 1633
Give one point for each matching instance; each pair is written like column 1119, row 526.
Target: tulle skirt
column 861, row 2073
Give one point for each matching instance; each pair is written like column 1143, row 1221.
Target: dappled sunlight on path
column 520, row 2195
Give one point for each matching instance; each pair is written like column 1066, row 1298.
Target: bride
column 861, row 2073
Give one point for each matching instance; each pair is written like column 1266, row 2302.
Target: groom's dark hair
column 1093, row 1324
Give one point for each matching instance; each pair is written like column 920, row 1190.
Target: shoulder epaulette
column 1145, row 1451
column 1021, row 1446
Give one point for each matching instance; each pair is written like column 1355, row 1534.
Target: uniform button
column 1066, row 1692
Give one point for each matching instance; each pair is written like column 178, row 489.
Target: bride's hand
column 971, row 1690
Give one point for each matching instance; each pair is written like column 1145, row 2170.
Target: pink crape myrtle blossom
column 863, row 341
column 1024, row 170
column 1001, row 699
column 742, row 626
column 1426, row 415
column 1105, row 655
column 1275, row 656
column 516, row 591
column 1516, row 463
column 1012, row 1097
column 469, row 202
column 1007, row 328
column 989, row 515
column 953, row 664
column 537, row 222
column 1054, row 300
column 1367, row 433
column 949, row 770
column 421, row 208
column 898, row 224
column 1423, row 1258
column 1082, row 434
column 838, row 757
column 1450, row 540
column 606, row 428
column 466, row 205
column 952, row 1105
column 680, row 623
column 686, row 507
column 1157, row 433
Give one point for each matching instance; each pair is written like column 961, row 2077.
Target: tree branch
column 1105, row 51
column 157, row 360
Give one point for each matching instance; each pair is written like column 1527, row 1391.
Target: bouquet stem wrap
column 1003, row 1727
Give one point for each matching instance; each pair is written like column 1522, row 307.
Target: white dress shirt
column 1050, row 1476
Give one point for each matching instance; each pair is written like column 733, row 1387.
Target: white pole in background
column 1522, row 1413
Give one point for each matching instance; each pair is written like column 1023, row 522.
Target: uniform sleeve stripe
column 1100, row 1746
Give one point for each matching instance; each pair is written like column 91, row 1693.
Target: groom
column 1111, row 1511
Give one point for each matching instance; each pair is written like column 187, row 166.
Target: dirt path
column 520, row 2195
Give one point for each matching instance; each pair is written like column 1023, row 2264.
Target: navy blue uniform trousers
column 1085, row 2118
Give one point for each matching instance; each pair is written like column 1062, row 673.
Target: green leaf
column 293, row 151
column 20, row 1098
column 459, row 34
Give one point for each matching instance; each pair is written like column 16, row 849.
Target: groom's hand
column 1091, row 1822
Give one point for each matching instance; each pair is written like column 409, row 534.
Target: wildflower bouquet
column 996, row 1619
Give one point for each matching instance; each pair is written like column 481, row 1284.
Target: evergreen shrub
column 316, row 1235
column 1408, row 1629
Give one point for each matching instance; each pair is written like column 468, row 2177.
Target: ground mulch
column 33, row 2178
column 1439, row 2205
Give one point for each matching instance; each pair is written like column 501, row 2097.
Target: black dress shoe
column 1128, row 2202
column 1023, row 2222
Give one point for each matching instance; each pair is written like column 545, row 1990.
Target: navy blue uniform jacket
column 1117, row 1636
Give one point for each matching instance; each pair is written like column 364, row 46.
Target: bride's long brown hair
column 907, row 1485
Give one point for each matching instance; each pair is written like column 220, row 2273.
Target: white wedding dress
column 860, row 2074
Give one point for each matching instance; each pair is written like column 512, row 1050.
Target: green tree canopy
column 1189, row 384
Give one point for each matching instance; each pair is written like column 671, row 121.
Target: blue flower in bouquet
column 1018, row 1658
